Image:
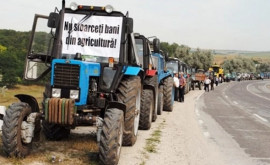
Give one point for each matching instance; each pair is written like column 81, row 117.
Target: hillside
column 221, row 55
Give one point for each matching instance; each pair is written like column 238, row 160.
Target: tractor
column 88, row 57
column 178, row 66
column 158, row 92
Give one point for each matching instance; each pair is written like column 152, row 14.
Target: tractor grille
column 66, row 75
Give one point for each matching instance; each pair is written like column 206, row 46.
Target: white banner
column 92, row 35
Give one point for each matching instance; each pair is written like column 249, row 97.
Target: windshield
column 172, row 65
column 96, row 38
column 216, row 69
column 139, row 46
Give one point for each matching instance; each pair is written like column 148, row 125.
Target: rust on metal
column 59, row 111
column 71, row 111
column 66, row 111
column 55, row 110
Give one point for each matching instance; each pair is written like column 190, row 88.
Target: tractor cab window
column 40, row 49
column 172, row 65
column 139, row 45
column 140, row 49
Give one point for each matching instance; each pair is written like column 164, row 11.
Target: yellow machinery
column 217, row 70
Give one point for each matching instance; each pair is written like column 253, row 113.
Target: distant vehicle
column 261, row 75
column 233, row 76
column 218, row 71
column 197, row 79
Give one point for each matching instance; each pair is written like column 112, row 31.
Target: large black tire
column 160, row 100
column 168, row 94
column 13, row 145
column 111, row 137
column 129, row 93
column 54, row 131
column 154, row 82
column 147, row 108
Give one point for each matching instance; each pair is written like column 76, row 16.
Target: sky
column 205, row 24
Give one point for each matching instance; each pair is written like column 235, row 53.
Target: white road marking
column 226, row 96
column 198, row 97
column 255, row 93
column 235, row 102
column 206, row 134
column 197, row 112
column 263, row 119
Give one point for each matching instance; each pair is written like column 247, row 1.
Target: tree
column 239, row 64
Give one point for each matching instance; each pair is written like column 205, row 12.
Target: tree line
column 14, row 45
column 203, row 59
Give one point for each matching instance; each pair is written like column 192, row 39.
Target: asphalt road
column 242, row 113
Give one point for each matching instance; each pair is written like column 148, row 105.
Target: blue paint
column 131, row 70
column 161, row 73
column 87, row 69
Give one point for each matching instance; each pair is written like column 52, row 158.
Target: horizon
column 205, row 24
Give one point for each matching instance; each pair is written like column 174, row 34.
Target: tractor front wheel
column 13, row 144
column 111, row 137
column 54, row 131
column 147, row 108
column 160, row 100
column 168, row 94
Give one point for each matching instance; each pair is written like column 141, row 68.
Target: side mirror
column 166, row 55
column 156, row 45
column 53, row 20
column 129, row 25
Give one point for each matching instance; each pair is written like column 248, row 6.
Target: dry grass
column 33, row 90
column 219, row 59
column 78, row 149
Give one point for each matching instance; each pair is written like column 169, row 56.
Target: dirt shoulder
column 182, row 140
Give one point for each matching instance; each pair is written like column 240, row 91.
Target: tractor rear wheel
column 54, row 131
column 13, row 144
column 168, row 94
column 129, row 93
column 147, row 108
column 154, row 82
column 111, row 137
column 160, row 100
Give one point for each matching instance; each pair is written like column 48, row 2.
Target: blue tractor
column 158, row 92
column 95, row 80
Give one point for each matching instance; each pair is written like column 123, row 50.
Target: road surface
column 242, row 110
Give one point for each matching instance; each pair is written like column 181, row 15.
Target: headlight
column 108, row 8
column 73, row 6
column 74, row 94
column 56, row 92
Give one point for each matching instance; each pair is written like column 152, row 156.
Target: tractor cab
column 78, row 43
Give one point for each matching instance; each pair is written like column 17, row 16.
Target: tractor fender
column 151, row 72
column 118, row 105
column 30, row 100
